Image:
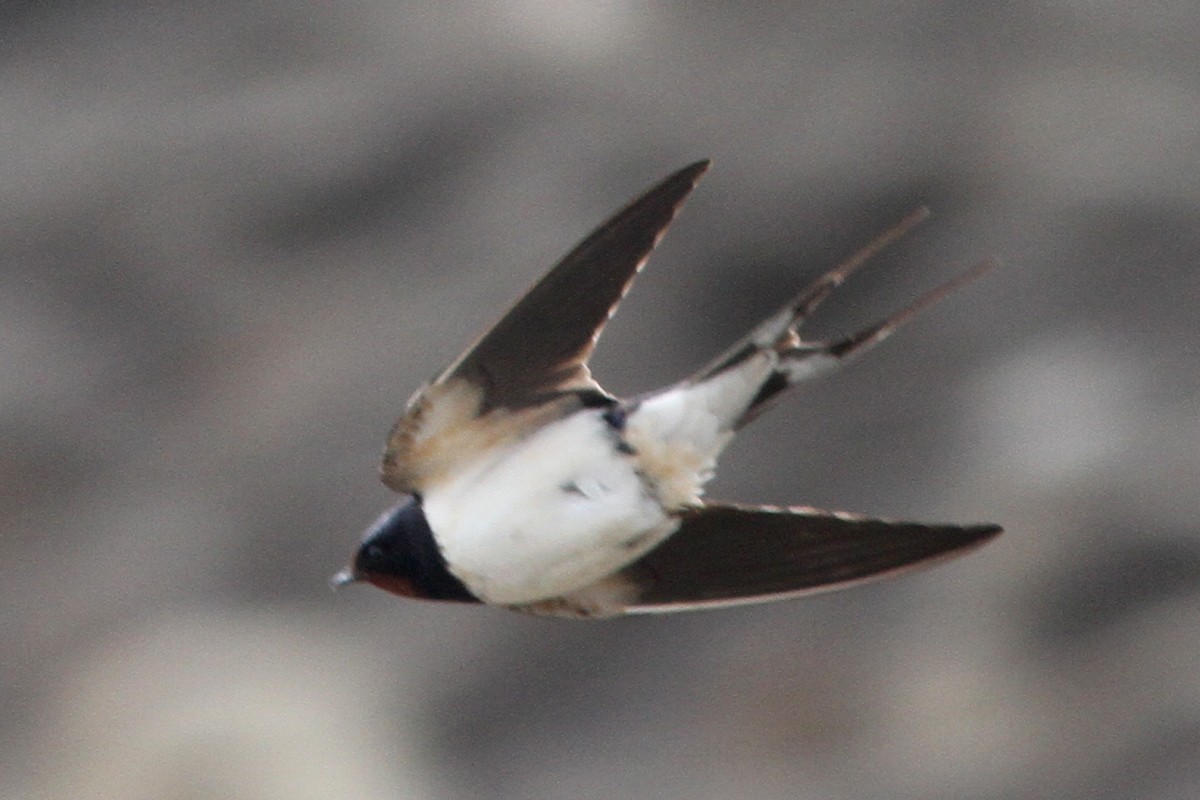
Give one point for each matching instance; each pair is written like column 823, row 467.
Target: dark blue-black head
column 399, row 554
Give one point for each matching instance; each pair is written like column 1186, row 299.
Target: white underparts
column 546, row 515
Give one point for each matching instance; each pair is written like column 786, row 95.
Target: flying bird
column 529, row 486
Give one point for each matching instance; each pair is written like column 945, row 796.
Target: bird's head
column 400, row 555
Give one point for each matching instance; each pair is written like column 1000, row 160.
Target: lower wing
column 727, row 555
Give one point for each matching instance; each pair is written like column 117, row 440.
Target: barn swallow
column 529, row 486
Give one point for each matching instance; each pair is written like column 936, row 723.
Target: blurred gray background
column 235, row 236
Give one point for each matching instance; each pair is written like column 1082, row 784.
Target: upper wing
column 537, row 351
column 541, row 346
column 725, row 555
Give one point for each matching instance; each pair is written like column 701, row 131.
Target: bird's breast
column 545, row 515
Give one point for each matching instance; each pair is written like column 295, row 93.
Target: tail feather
column 870, row 336
column 798, row 359
column 783, row 325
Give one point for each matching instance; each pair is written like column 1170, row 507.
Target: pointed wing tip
column 692, row 173
column 981, row 534
column 674, row 190
column 958, row 541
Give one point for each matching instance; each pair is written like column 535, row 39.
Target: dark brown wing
column 724, row 555
column 541, row 346
column 538, row 350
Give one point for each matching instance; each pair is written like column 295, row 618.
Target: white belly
column 551, row 514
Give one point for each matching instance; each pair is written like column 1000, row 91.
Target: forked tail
column 797, row 359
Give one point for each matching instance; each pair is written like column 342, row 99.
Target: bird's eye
column 373, row 552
